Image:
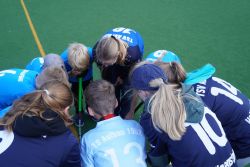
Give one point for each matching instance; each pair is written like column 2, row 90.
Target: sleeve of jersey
column 135, row 49
column 90, row 52
column 86, row 156
column 148, row 128
column 134, row 54
column 4, row 111
column 35, row 65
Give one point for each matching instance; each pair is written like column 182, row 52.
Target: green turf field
column 216, row 32
column 200, row 32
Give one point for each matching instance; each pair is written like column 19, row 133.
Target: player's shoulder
column 133, row 123
column 89, row 135
column 90, row 52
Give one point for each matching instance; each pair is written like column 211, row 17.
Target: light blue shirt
column 4, row 111
column 167, row 57
column 14, row 84
column 114, row 142
column 36, row 64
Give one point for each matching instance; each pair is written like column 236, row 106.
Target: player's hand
column 75, row 72
column 119, row 81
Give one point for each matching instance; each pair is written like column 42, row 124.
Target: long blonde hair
column 53, row 95
column 111, row 48
column 168, row 110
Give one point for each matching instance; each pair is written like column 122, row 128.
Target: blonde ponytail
column 168, row 111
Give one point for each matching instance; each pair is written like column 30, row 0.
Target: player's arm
column 158, row 157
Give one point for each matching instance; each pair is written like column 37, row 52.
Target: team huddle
column 189, row 119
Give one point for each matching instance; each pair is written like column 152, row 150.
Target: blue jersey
column 134, row 41
column 167, row 57
column 4, row 111
column 233, row 110
column 50, row 151
column 114, row 142
column 134, row 54
column 36, row 64
column 89, row 74
column 203, row 143
column 15, row 83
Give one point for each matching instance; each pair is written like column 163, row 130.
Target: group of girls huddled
column 189, row 118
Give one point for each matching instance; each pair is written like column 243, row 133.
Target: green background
column 199, row 31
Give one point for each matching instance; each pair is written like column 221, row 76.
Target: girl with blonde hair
column 177, row 123
column 229, row 104
column 78, row 61
column 115, row 53
column 35, row 130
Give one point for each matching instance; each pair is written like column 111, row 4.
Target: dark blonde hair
column 100, row 96
column 167, row 108
column 78, row 56
column 111, row 48
column 175, row 72
column 50, row 74
column 54, row 95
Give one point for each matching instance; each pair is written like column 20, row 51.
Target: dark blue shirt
column 232, row 109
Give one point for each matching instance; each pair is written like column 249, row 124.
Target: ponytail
column 54, row 95
column 168, row 111
column 122, row 50
column 30, row 104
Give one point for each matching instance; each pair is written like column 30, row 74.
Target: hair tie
column 162, row 82
column 46, row 91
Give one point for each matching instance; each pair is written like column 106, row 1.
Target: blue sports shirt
column 134, row 41
column 114, row 142
column 36, row 64
column 15, row 83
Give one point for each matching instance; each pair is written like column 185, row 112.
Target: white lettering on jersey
column 231, row 93
column 122, row 37
column 123, row 30
column 207, row 134
column 248, row 119
column 229, row 162
column 115, row 134
column 2, row 73
column 22, row 75
column 6, row 140
column 200, row 90
column 126, row 151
